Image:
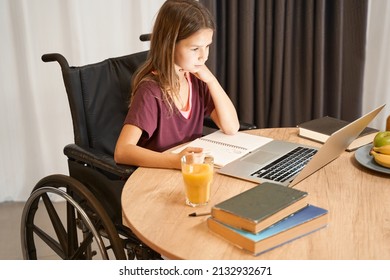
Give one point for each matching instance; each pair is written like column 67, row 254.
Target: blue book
column 298, row 224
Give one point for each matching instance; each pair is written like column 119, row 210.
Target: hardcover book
column 320, row 129
column 259, row 207
column 301, row 223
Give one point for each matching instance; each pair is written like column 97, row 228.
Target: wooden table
column 358, row 201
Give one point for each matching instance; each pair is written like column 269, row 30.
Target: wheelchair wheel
column 86, row 231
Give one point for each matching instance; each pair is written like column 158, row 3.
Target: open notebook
column 227, row 148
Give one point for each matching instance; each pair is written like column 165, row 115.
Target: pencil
column 194, row 214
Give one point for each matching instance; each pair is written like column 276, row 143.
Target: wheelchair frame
column 92, row 226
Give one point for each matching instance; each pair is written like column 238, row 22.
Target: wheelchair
column 89, row 226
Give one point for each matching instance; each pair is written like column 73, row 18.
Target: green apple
column 382, row 138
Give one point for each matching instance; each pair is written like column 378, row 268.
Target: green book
column 260, row 206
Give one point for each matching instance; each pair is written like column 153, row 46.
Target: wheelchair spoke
column 72, row 228
column 56, row 222
column 82, row 250
column 53, row 244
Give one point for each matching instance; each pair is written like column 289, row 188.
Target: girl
column 174, row 90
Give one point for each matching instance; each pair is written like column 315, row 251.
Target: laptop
column 288, row 163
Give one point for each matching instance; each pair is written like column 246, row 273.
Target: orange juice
column 197, row 179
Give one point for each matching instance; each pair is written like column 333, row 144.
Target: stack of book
column 265, row 217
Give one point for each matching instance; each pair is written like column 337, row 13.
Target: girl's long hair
column 176, row 20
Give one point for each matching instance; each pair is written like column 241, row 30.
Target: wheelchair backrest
column 99, row 96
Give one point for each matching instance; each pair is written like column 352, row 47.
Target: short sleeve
column 143, row 111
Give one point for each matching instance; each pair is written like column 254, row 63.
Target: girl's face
column 192, row 53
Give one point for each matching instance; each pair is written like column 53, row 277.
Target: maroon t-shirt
column 162, row 129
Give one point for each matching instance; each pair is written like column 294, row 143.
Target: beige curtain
column 34, row 114
column 377, row 69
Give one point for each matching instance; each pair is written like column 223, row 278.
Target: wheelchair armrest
column 98, row 159
column 247, row 126
column 208, row 122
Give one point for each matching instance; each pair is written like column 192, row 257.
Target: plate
column 363, row 156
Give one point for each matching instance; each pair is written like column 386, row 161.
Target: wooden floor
column 10, row 227
column 10, row 214
column 10, row 242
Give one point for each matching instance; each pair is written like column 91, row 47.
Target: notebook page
column 226, row 148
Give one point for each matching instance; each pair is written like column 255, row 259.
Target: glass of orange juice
column 197, row 170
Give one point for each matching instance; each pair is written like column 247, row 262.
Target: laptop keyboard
column 286, row 166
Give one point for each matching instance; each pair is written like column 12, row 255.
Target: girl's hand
column 204, row 74
column 187, row 151
column 190, row 150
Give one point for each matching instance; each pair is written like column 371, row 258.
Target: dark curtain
column 283, row 62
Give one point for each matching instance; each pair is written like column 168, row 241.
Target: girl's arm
column 127, row 151
column 224, row 115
